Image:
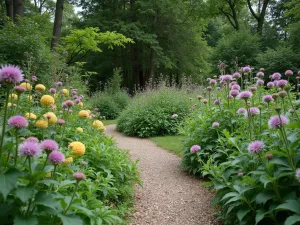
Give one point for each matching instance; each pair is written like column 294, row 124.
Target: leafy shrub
column 149, row 113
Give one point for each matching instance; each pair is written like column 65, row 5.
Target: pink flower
column 246, row 69
column 79, row 176
column 17, row 121
column 253, row 89
column 34, row 78
column 254, row 111
column 77, row 100
column 19, row 89
column 49, row 145
column 236, row 75
column 209, row 88
column 235, row 87
column 29, row 149
column 32, row 139
column 205, row 101
column 174, row 116
column 268, row 98
column 241, row 111
column 260, row 74
column 60, row 121
column 195, row 148
column 215, row 124
column 83, row 162
column 245, row 95
column 276, row 76
column 52, row 90
column 69, row 103
column 270, row 84
column 269, row 156
column 281, row 83
column 226, row 78
column 56, row 157
column 288, row 73
column 275, row 123
column 10, row 74
column 234, row 93
column 212, row 81
column 59, row 83
column 256, row 147
column 217, row 102
column 260, row 82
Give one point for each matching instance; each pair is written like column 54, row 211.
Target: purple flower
column 174, row 116
column 241, row 111
column 69, row 103
column 268, row 98
column 52, row 90
column 226, row 78
column 56, row 157
column 60, row 121
column 212, row 81
column 235, row 87
column 260, row 74
column 270, row 84
column 256, row 147
column 253, row 89
column 288, row 73
column 234, row 93
column 254, row 111
column 245, row 95
column 276, row 76
column 79, row 176
column 195, row 148
column 260, row 82
column 34, row 78
column 298, row 174
column 20, row 89
column 77, row 100
column 29, row 149
column 205, row 101
column 215, row 124
column 74, row 92
column 32, row 139
column 49, row 145
column 236, row 75
column 281, row 83
column 269, row 156
column 217, row 102
column 246, row 69
column 11, row 74
column 275, row 123
column 17, row 121
column 209, row 88
column 59, row 83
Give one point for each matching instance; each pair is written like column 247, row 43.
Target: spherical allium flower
column 282, row 94
column 291, row 111
column 68, row 161
column 212, row 81
column 254, row 111
column 216, row 102
column 19, row 89
column 51, row 117
column 253, row 89
column 270, row 84
column 281, row 83
column 26, row 85
column 52, row 90
column 269, row 156
column 59, row 83
column 195, row 148
column 241, row 111
column 260, row 74
column 49, row 145
column 268, row 98
column 42, row 124
column 56, row 157
column 209, row 88
column 245, row 95
column 79, row 129
column 256, row 147
column 205, row 101
column 276, row 76
column 226, row 78
column 29, row 149
column 276, row 122
column 298, row 174
column 74, row 92
column 289, row 73
column 71, row 111
column 246, row 69
column 47, row 100
column 236, row 75
column 215, row 124
column 17, row 122
column 65, row 91
column 77, row 100
column 60, row 122
column 174, row 116
column 69, row 103
column 79, row 176
column 32, row 139
column 260, row 82
column 30, row 116
column 10, row 74
column 78, row 148
column 199, row 97
column 234, row 93
column 40, row 87
column 235, row 87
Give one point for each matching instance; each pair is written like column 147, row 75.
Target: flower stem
column 295, row 112
column 4, row 122
column 72, row 198
column 16, row 151
column 29, row 163
column 45, row 161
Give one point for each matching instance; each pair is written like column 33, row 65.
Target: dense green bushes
column 150, row 113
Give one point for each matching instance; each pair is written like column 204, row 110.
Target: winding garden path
column 169, row 196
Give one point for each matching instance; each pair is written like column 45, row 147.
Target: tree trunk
column 9, row 8
column 57, row 23
column 18, row 9
column 260, row 17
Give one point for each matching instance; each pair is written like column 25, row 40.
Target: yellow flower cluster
column 51, row 117
column 65, row 92
column 47, row 100
column 83, row 114
column 13, row 96
column 99, row 125
column 80, row 104
column 43, row 124
column 78, row 148
column 79, row 129
column 68, row 161
column 27, row 86
column 40, row 87
column 30, row 116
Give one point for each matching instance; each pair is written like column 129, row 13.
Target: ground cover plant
column 57, row 167
column 245, row 137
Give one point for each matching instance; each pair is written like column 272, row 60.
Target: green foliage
column 171, row 143
column 149, row 113
column 295, row 37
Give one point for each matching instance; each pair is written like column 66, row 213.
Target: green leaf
column 242, row 213
column 292, row 220
column 45, row 199
column 263, row 197
column 265, row 179
column 230, row 194
column 24, row 193
column 20, row 220
column 8, row 181
column 260, row 214
column 70, row 220
column 292, row 205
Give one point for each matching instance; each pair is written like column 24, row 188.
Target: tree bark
column 260, row 16
column 9, row 8
column 18, row 9
column 57, row 23
column 232, row 17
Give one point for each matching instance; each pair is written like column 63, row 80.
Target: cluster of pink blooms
column 10, row 74
column 195, row 148
column 256, row 147
column 18, row 122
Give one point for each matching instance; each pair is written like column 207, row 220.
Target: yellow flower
column 97, row 124
column 83, row 114
column 13, row 96
column 65, row 91
column 27, row 86
column 41, row 124
column 47, row 100
column 80, row 104
column 48, row 175
column 79, row 129
column 30, row 116
column 89, row 111
column 102, row 129
column 29, row 97
column 68, row 160
column 9, row 104
column 40, row 87
column 78, row 149
column 51, row 117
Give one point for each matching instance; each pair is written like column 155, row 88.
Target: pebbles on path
column 169, row 196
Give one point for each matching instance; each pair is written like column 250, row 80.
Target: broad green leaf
column 70, row 220
column 265, row 179
column 234, row 199
column 46, row 199
column 292, row 220
column 20, row 220
column 292, row 205
column 230, row 194
column 260, row 214
column 280, row 161
column 8, row 181
column 263, row 197
column 24, row 193
column 242, row 213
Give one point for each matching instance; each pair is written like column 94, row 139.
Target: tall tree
column 57, row 23
column 18, row 9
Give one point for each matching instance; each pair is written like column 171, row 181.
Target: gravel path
column 169, row 195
